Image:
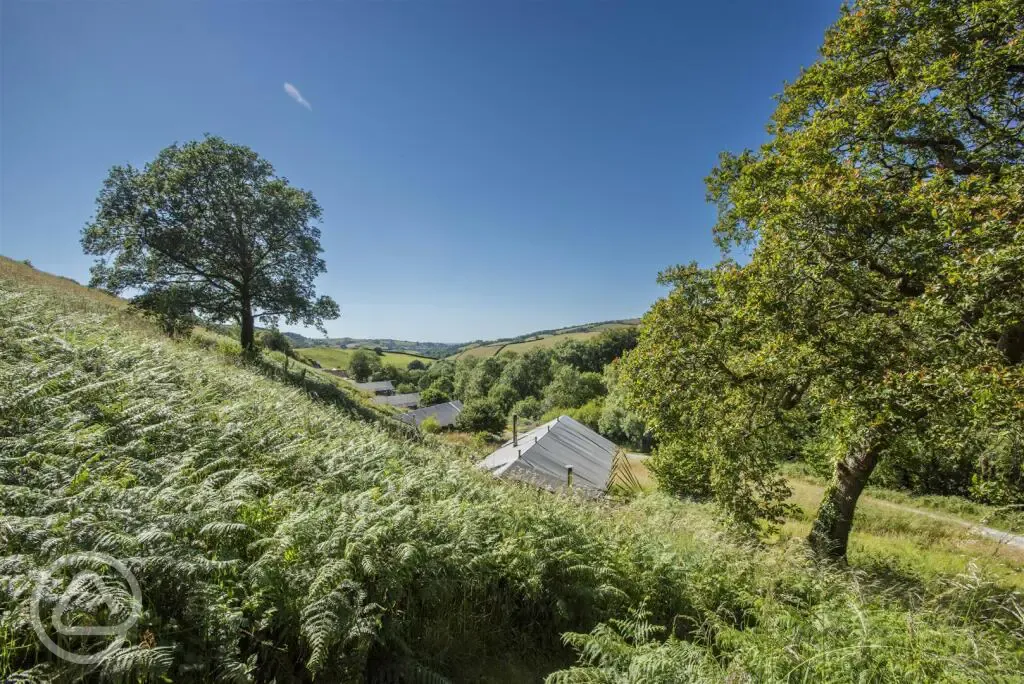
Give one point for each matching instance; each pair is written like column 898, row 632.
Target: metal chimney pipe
column 515, row 432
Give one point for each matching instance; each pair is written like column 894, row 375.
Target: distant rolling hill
column 334, row 357
column 542, row 339
column 434, row 350
column 400, row 352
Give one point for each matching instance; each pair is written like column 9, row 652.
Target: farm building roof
column 444, row 413
column 381, row 386
column 542, row 456
column 400, row 400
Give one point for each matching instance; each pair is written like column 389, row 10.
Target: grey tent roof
column 399, row 400
column 543, row 454
column 444, row 413
column 382, row 386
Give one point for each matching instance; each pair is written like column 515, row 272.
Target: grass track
column 908, row 539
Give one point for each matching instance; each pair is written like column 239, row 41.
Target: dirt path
column 1008, row 538
column 1015, row 541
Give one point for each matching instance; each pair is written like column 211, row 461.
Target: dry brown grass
column 78, row 295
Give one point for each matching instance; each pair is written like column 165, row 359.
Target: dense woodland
column 576, row 377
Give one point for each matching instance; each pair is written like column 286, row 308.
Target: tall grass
column 1009, row 518
column 277, row 538
column 759, row 614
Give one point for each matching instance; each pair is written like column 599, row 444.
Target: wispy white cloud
column 294, row 93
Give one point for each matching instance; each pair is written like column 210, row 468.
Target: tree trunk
column 831, row 530
column 248, row 329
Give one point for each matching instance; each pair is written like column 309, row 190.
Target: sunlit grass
column 886, row 536
column 334, row 357
column 277, row 536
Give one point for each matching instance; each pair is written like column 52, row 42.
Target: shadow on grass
column 968, row 597
column 325, row 391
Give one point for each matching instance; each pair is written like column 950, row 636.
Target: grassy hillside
column 927, row 536
column 540, row 340
column 434, row 350
column 332, row 357
column 274, row 536
column 890, row 539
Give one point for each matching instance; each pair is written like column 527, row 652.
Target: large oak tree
column 210, row 224
column 869, row 306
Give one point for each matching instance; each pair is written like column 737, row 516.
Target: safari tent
column 406, row 401
column 445, row 414
column 557, row 454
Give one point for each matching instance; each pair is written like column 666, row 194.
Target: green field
column 922, row 536
column 909, row 538
column 332, row 357
column 276, row 537
column 541, row 342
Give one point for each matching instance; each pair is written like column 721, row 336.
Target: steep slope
column 276, row 537
column 266, row 529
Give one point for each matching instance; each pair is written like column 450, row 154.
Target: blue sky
column 486, row 167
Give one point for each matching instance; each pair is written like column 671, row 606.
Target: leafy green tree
column 405, row 388
column 460, row 378
column 528, row 374
column 430, row 425
column 592, row 355
column 363, row 365
column 483, row 376
column 570, row 388
column 396, row 374
column 589, row 414
column 504, row 396
column 211, row 219
column 617, row 422
column 444, row 385
column 613, row 344
column 172, row 307
column 275, row 340
column 481, row 415
column 438, row 371
column 579, row 354
column 416, row 364
column 1000, row 476
column 383, row 372
column 529, row 408
column 434, row 395
column 881, row 311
